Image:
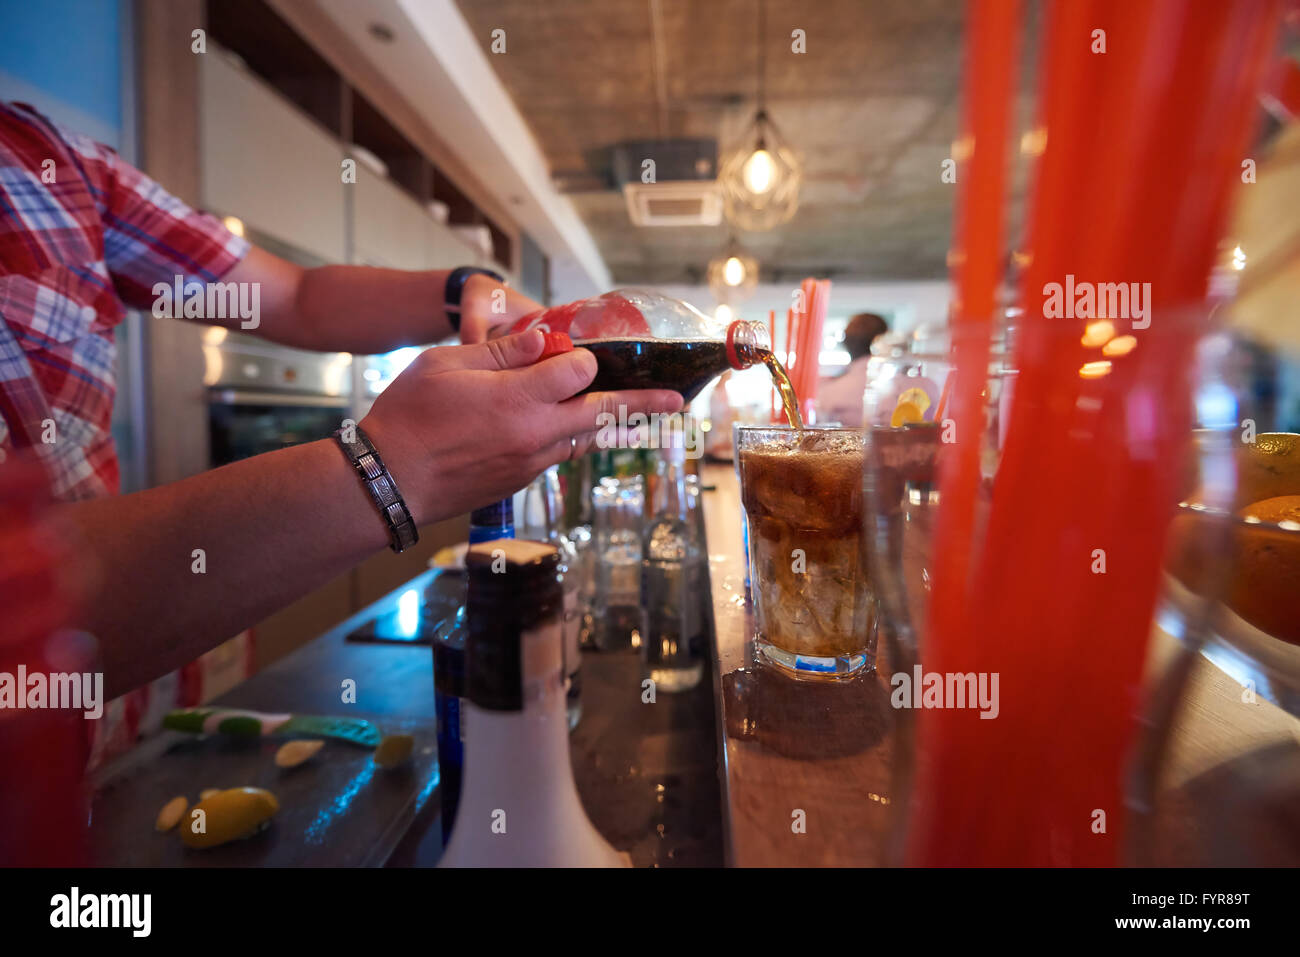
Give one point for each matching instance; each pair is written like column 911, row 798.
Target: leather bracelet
column 455, row 287
column 375, row 476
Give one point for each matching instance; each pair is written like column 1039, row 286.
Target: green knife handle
column 241, row 726
column 188, row 721
column 192, row 722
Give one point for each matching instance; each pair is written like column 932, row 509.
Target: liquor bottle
column 543, row 520
column 519, row 804
column 673, row 580
column 602, row 466
column 644, row 340
column 492, row 522
column 448, row 702
column 618, row 505
column 578, row 520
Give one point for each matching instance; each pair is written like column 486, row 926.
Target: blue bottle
column 492, row 522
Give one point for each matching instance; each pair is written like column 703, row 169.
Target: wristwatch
column 374, row 475
column 455, row 287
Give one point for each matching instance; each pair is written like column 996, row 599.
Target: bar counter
column 751, row 768
column 806, row 766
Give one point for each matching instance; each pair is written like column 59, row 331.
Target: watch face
column 459, row 276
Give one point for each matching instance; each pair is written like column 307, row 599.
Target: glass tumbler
column 814, row 607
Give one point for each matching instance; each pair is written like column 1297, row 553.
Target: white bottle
column 519, row 806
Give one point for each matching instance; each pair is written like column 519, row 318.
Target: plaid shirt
column 83, row 235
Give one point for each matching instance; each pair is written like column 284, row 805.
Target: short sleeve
column 150, row 236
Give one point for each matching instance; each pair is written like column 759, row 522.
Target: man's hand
column 463, row 426
column 488, row 308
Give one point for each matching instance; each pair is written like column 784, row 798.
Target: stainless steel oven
column 262, row 398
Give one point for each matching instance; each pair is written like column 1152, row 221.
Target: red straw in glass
column 1088, row 464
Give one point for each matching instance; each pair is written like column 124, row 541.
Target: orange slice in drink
column 916, row 397
column 906, row 413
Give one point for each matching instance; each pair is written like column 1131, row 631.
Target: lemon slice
column 917, row 397
column 906, row 413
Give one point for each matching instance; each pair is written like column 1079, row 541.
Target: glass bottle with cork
column 519, row 803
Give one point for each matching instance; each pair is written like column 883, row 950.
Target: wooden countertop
column 825, row 749
column 805, row 765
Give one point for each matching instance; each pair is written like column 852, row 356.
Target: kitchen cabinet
column 263, row 160
column 389, row 227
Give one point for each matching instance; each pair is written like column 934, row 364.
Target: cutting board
column 338, row 809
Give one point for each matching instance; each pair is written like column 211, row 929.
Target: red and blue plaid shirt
column 83, row 235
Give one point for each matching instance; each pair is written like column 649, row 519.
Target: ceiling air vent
column 674, row 204
column 684, row 191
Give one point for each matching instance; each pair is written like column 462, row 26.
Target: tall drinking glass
column 1217, row 777
column 619, row 505
column 814, row 607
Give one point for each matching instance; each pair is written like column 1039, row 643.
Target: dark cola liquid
column 684, row 365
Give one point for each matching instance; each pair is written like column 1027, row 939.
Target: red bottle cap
column 732, row 357
column 554, row 344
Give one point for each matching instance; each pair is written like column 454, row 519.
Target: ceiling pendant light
column 760, row 179
column 733, row 274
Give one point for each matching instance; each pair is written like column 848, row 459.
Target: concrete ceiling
column 872, row 106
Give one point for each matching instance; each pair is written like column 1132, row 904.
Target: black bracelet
column 363, row 455
column 455, row 287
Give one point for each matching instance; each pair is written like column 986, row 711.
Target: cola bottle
column 645, row 340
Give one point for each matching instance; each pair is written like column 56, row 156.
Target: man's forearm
column 270, row 529
column 360, row 309
column 369, row 310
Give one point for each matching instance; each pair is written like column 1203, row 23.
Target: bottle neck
column 492, row 522
column 748, row 343
column 670, row 493
column 553, row 506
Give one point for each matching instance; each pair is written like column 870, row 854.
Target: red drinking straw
column 1142, row 151
column 817, row 296
column 777, row 413
column 987, row 78
column 43, row 751
column 800, row 342
column 942, row 405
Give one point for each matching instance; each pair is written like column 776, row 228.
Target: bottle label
column 602, row 316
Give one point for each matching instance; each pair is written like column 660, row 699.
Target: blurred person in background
column 83, row 237
column 839, row 399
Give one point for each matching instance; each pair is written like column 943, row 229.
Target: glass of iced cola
column 814, row 607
